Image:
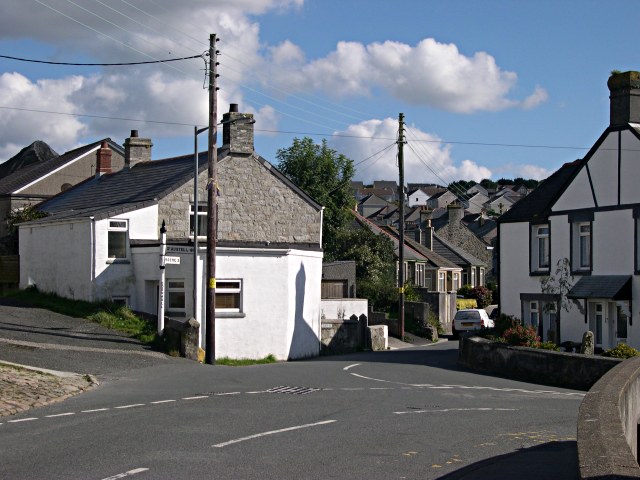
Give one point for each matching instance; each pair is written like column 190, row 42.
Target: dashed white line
column 127, row 474
column 197, row 397
column 227, row 393
column 60, row 415
column 257, row 391
column 131, row 406
column 95, row 410
column 480, row 409
column 272, row 432
column 161, row 401
column 23, row 420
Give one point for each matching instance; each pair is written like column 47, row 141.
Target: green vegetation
column 462, row 303
column 242, row 362
column 20, row 215
column 622, row 350
column 107, row 314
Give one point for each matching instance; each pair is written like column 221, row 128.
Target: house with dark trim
column 569, row 256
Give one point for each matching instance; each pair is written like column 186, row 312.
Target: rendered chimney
column 237, row 131
column 103, row 159
column 624, row 98
column 455, row 213
column 136, row 150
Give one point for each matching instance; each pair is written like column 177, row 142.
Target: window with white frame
column 456, row 281
column 581, row 247
column 176, row 297
column 441, row 282
column 534, row 314
column 202, row 220
column 420, row 274
column 117, row 239
column 481, row 280
column 473, row 276
column 229, row 296
column 540, row 248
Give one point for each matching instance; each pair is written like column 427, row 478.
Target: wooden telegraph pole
column 401, row 278
column 212, row 210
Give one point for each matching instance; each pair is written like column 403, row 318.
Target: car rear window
column 467, row 315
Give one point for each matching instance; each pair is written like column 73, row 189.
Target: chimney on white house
column 624, row 104
column 237, row 131
column 103, row 159
column 136, row 150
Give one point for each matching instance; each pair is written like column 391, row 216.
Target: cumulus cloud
column 429, row 73
column 524, row 170
column 426, row 158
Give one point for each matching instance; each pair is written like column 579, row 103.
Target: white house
column 582, row 227
column 417, row 198
column 101, row 240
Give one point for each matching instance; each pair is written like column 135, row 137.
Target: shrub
column 521, row 336
column 483, row 296
column 504, row 323
column 462, row 303
column 548, row 346
column 465, row 290
column 622, row 350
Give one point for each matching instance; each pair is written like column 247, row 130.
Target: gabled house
column 102, row 240
column 372, row 204
column 37, row 173
column 476, row 202
column 477, row 188
column 569, row 252
column 417, row 197
column 441, row 199
column 502, row 201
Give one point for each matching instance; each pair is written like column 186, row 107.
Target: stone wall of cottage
column 253, row 206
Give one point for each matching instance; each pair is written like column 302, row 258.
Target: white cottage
column 101, row 240
column 582, row 227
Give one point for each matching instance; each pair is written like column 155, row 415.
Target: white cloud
column 524, row 170
column 426, row 158
column 430, row 73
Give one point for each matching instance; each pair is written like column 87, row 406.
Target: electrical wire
column 100, row 64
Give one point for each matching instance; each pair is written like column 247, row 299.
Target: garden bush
column 521, row 336
column 621, row 351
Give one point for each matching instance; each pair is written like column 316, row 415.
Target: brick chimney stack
column 237, row 131
column 624, row 98
column 136, row 150
column 103, row 159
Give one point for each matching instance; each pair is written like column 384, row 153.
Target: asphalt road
column 410, row 413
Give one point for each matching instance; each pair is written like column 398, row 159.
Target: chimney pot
column 233, row 107
column 134, row 133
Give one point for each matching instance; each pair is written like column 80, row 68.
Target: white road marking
column 272, row 432
column 127, row 474
column 161, row 401
column 258, row 391
column 131, row 406
column 481, row 409
column 350, row 366
column 228, row 393
column 60, row 415
column 22, row 420
column 198, row 397
column 381, row 388
column 352, row 389
column 95, row 410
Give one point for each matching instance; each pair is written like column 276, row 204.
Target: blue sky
column 488, row 88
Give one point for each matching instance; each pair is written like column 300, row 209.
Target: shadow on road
column 550, row 461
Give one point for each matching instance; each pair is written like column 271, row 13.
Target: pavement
column 46, row 357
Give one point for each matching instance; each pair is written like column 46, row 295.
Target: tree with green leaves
column 326, row 176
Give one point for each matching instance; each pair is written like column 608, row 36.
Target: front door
column 596, row 321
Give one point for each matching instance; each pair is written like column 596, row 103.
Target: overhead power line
column 99, row 64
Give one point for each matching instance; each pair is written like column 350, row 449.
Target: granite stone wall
column 253, row 206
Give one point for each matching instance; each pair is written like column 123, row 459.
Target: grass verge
column 107, row 314
column 241, row 362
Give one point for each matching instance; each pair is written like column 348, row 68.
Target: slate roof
column 434, row 258
column 454, row 254
column 539, row 202
column 142, row 185
column 24, row 176
column 615, row 287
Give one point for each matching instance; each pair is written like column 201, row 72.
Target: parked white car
column 471, row 319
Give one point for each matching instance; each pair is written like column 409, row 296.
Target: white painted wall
column 613, row 252
column 332, row 308
column 630, row 169
column 57, row 258
column 578, row 194
column 418, row 198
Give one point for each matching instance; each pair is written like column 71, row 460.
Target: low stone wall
column 608, row 425
column 185, row 335
column 568, row 370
